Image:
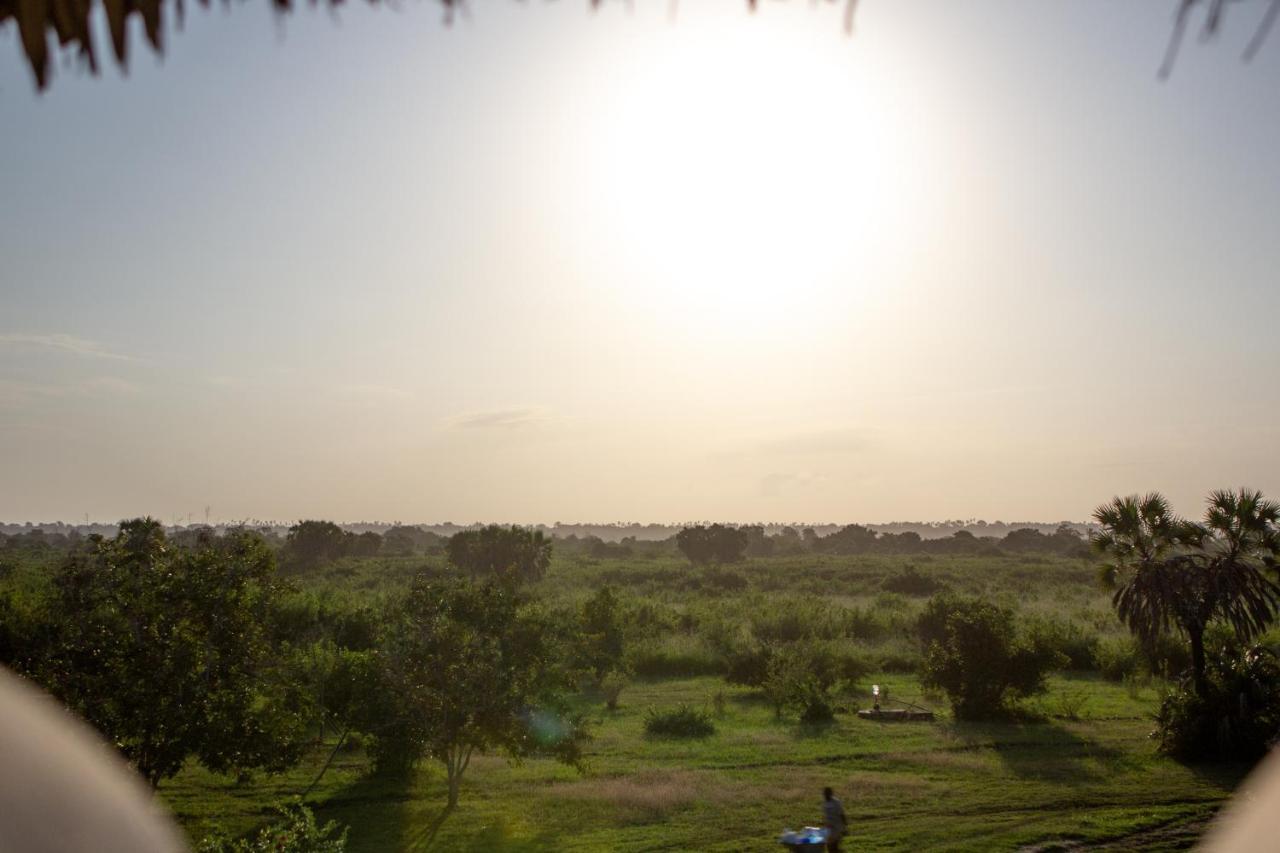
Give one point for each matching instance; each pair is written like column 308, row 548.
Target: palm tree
column 1168, row 572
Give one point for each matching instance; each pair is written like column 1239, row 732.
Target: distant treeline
column 612, row 532
column 309, row 544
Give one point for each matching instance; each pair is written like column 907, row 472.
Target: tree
column 718, row 543
column 602, row 641
column 973, row 652
column 166, row 651
column 521, row 552
column 1170, row 573
column 312, row 543
column 850, row 539
column 473, row 667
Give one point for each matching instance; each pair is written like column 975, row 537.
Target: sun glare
column 751, row 172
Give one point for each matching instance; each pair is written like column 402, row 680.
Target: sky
column 545, row 264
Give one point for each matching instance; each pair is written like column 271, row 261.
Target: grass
column 1090, row 775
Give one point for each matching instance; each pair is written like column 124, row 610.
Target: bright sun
column 751, row 172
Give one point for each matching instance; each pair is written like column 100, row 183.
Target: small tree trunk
column 1198, row 674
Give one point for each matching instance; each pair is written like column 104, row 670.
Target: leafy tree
column 850, row 539
column 602, row 641
column 717, row 543
column 472, row 666
column 1170, row 573
column 366, row 544
column 166, row 651
column 312, row 543
column 520, row 552
column 974, row 654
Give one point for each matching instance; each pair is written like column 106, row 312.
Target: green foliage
column 973, row 653
column 673, row 657
column 520, row 552
column 910, row 581
column 295, row 832
column 310, row 544
column 601, row 642
column 1119, row 658
column 166, row 651
column 683, row 721
column 801, row 677
column 1171, row 573
column 1079, row 647
column 717, row 543
column 1237, row 719
column 473, row 666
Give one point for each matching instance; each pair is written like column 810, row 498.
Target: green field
column 1076, row 766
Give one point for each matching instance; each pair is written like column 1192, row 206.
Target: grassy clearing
column 906, row 786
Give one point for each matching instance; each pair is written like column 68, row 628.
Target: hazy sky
column 546, row 265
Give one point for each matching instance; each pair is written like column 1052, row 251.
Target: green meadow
column 1074, row 765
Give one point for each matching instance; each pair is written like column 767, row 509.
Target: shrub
column 902, row 662
column 724, row 580
column 911, row 582
column 1119, row 659
column 295, row 832
column 1238, row 720
column 748, row 665
column 975, row 656
column 683, row 721
column 800, row 677
column 678, row 657
column 1069, row 639
column 815, row 706
column 612, row 686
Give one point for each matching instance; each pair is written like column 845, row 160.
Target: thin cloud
column 506, row 419
column 112, row 385
column 63, row 343
column 848, row 440
column 384, row 391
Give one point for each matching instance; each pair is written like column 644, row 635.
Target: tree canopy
column 520, row 552
column 1172, row 573
column 166, row 650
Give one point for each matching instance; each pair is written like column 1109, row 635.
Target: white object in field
column 63, row 790
column 811, row 839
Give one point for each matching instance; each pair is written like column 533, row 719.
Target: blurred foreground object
column 63, row 790
column 69, row 22
column 1250, row 822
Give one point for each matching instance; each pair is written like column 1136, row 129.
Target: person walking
column 834, row 819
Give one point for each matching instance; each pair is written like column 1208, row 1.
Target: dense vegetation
column 247, row 668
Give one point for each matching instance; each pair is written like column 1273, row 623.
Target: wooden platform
column 896, row 716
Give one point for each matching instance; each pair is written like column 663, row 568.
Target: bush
column 748, row 665
column 683, row 721
column 911, row 582
column 1239, row 719
column 1067, row 638
column 1119, row 659
column 295, row 832
column 975, row 656
column 723, row 580
column 674, row 657
column 801, row 677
